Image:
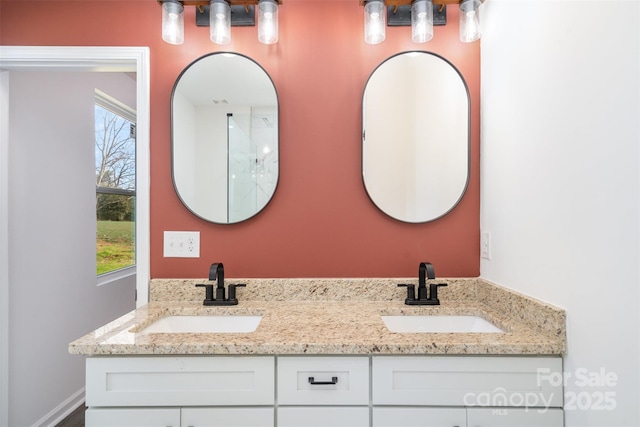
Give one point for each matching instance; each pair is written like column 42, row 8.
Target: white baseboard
column 62, row 411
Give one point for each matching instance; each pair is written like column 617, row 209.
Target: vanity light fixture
column 220, row 22
column 421, row 15
column 374, row 21
column 421, row 21
column 220, row 16
column 268, row 21
column 469, row 21
column 172, row 22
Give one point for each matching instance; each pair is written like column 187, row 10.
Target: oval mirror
column 415, row 136
column 224, row 137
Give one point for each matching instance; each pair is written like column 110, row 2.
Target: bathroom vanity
column 321, row 355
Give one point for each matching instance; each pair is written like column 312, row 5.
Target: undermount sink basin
column 438, row 323
column 203, row 324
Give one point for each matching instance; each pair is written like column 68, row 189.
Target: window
column 115, row 163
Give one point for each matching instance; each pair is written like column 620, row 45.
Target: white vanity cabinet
column 331, row 391
column 466, row 391
column 324, row 391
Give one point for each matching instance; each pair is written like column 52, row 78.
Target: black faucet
column 425, row 271
column 216, row 272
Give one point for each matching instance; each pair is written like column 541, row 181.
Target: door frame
column 77, row 58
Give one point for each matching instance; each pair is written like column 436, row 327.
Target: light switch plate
column 182, row 244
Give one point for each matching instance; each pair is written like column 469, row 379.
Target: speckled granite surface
column 333, row 316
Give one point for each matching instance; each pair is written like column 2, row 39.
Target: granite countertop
column 317, row 316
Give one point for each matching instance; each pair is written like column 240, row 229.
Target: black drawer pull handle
column 334, row 381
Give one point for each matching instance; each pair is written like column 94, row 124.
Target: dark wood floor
column 75, row 419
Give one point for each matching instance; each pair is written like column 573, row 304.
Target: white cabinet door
column 323, row 416
column 419, row 417
column 499, row 417
column 466, row 380
column 155, row 417
column 227, row 417
column 180, row 381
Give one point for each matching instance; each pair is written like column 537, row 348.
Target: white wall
column 4, row 249
column 53, row 296
column 211, row 161
column 560, row 181
column 183, row 113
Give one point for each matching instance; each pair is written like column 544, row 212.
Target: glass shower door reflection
column 241, row 192
column 252, row 162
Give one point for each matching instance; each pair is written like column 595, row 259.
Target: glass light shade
column 268, row 21
column 220, row 22
column 172, row 22
column 470, row 21
column 421, row 21
column 375, row 21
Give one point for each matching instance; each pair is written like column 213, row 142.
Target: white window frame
column 112, row 104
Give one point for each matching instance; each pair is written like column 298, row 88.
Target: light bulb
column 374, row 22
column 469, row 21
column 172, row 22
column 421, row 21
column 268, row 21
column 220, row 22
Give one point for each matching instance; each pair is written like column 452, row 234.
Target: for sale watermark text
column 587, row 391
column 594, row 392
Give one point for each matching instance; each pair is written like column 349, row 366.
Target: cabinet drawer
column 467, row 381
column 492, row 417
column 419, row 417
column 180, row 381
column 323, row 380
column 326, row 416
column 227, row 417
column 132, row 417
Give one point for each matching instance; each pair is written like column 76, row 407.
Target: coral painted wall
column 320, row 222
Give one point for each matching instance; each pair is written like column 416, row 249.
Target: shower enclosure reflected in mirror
column 224, row 129
column 415, row 136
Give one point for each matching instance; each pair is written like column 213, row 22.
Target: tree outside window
column 115, row 161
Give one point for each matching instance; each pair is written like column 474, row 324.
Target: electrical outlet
column 182, row 244
column 485, row 245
